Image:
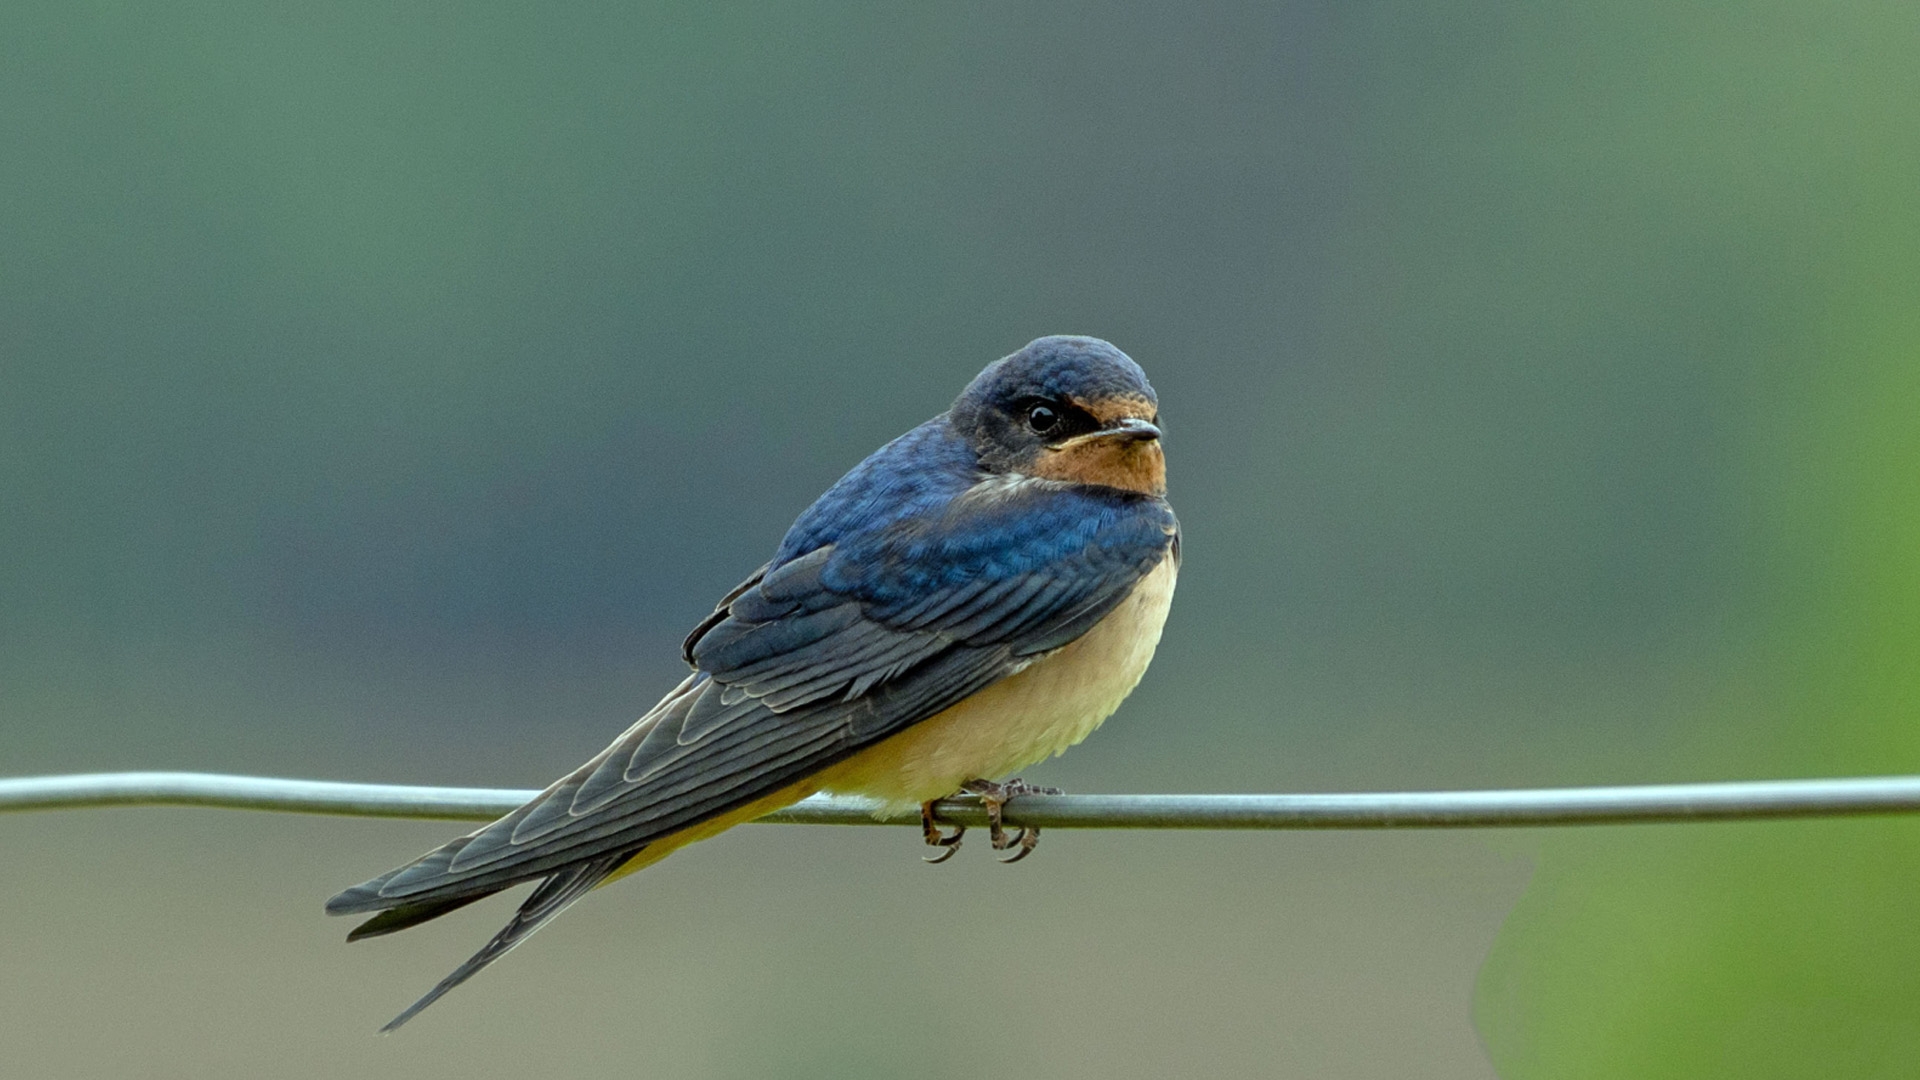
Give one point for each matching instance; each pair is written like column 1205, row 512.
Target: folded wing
column 806, row 663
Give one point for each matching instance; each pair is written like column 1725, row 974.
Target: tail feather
column 554, row 895
column 399, row 918
column 374, row 895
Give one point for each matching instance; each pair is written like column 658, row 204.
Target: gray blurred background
column 384, row 391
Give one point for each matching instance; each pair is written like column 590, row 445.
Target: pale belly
column 1020, row 720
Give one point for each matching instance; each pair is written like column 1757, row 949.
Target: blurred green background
column 384, row 389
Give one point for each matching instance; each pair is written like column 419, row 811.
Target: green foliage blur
column 385, row 389
column 1792, row 950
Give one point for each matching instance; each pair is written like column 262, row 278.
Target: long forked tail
column 554, row 895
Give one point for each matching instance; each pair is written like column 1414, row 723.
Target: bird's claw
column 930, row 830
column 994, row 797
column 1026, row 842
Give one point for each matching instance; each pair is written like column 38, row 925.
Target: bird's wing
column 805, row 664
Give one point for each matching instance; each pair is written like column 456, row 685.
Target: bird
column 974, row 597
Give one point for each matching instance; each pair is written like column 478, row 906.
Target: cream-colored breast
column 1022, row 719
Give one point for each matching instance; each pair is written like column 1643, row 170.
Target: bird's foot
column 930, row 830
column 994, row 797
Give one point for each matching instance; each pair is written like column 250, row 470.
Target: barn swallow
column 973, row 598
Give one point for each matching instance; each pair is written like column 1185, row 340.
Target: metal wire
column 1389, row 810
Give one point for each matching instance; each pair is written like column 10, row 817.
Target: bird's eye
column 1042, row 419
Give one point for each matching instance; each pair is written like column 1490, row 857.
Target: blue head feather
column 892, row 508
column 1056, row 367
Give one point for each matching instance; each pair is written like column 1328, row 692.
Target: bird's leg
column 994, row 797
column 930, row 829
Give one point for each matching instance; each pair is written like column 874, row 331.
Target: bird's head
column 1074, row 409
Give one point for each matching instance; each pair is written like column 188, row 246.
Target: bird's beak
column 1127, row 429
column 1122, row 431
column 1130, row 429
